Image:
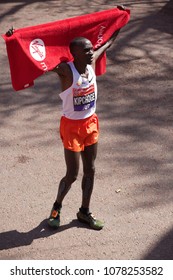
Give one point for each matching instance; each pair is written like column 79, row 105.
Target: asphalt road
column 134, row 170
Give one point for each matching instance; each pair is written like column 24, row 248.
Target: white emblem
column 37, row 49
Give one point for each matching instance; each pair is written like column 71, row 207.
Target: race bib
column 83, row 98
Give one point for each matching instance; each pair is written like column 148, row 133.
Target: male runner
column 79, row 128
column 79, row 125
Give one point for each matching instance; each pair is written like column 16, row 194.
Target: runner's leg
column 72, row 165
column 84, row 215
column 88, row 158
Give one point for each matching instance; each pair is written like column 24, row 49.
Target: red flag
column 35, row 50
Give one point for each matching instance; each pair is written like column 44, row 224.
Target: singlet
column 79, row 100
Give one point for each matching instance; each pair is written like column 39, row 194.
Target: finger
column 121, row 7
column 10, row 32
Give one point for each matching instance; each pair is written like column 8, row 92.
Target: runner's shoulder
column 62, row 69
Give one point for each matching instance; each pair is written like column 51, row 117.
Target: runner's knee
column 71, row 177
column 89, row 171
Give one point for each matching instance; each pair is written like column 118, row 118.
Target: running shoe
column 54, row 219
column 90, row 220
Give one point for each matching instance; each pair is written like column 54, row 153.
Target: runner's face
column 85, row 52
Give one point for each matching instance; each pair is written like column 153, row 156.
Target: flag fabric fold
column 34, row 50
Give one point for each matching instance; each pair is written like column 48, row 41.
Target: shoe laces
column 91, row 216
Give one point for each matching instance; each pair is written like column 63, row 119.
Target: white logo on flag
column 37, row 49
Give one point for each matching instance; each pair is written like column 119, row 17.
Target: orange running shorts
column 77, row 134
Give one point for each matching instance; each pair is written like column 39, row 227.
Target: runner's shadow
column 13, row 238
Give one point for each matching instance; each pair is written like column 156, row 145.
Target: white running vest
column 79, row 100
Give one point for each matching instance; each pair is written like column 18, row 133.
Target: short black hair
column 78, row 41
